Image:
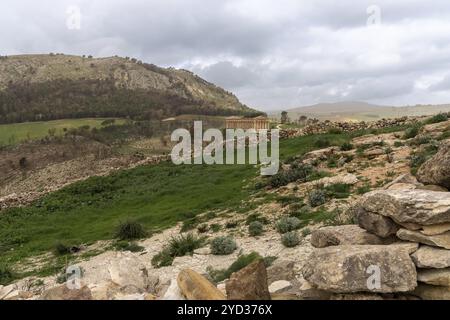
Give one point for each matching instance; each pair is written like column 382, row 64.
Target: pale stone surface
column 347, row 178
column 437, row 277
column 127, row 270
column 435, row 229
column 437, row 169
column 64, row 293
column 409, row 206
column 280, row 286
column 249, row 283
column 344, row 269
column 430, row 292
column 281, row 270
column 441, row 240
column 343, row 235
column 173, row 292
column 431, row 257
column 196, row 287
column 405, row 178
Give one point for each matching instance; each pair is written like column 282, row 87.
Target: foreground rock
column 343, row 235
column 421, row 207
column 346, row 269
column 430, row 257
column 430, row 292
column 437, row 169
column 437, row 277
column 249, row 283
column 196, row 287
column 377, row 224
column 64, row 293
column 441, row 240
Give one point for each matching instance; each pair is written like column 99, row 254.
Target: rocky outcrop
column 249, row 283
column 431, row 257
column 347, row 269
column 440, row 240
column 437, row 169
column 377, row 224
column 64, row 293
column 436, row 277
column 196, row 287
column 343, row 235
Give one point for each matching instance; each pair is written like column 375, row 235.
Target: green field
column 11, row 134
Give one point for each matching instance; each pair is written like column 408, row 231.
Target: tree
column 284, row 117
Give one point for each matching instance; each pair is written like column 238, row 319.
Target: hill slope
column 47, row 87
column 358, row 111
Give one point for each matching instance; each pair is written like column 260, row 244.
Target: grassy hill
column 49, row 87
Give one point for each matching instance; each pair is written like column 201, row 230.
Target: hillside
column 361, row 111
column 48, row 87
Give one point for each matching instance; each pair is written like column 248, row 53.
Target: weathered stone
column 375, row 223
column 437, row 169
column 342, row 235
column 249, row 283
column 64, row 293
column 346, row 269
column 281, row 270
column 341, row 179
column 433, row 187
column 406, row 178
column 430, row 292
column 402, row 186
column 409, row 206
column 280, row 286
column 173, row 292
column 436, row 277
column 127, row 270
column 430, row 257
column 440, row 240
column 435, row 229
column 196, row 287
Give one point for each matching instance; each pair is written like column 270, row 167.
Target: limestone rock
column 249, row 283
column 430, row 257
column 437, row 277
column 281, row 270
column 280, row 286
column 343, row 235
column 441, row 240
column 409, row 206
column 406, row 178
column 377, row 224
column 346, row 269
column 341, row 179
column 430, row 292
column 196, row 287
column 127, row 270
column 64, row 293
column 435, row 229
column 173, row 292
column 437, row 169
column 433, row 187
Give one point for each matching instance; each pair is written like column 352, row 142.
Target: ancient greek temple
column 258, row 123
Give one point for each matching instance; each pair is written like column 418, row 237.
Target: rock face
column 377, row 224
column 280, row 286
column 440, row 240
column 343, row 235
column 437, row 277
column 64, row 293
column 249, row 283
column 410, row 206
column 347, row 269
column 196, row 287
column 430, row 292
column 128, row 271
column 437, row 169
column 430, row 257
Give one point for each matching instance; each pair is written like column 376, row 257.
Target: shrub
column 411, row 132
column 290, row 239
column 335, row 131
column 398, row 144
column 189, row 224
column 347, row 146
column 441, row 117
column 363, row 189
column 6, row 274
column 61, row 249
column 306, row 232
column 222, row 246
column 338, row 190
column 203, row 228
column 130, row 230
column 287, row 224
column 297, row 172
column 317, row 197
column 177, row 247
column 322, row 142
column 215, row 227
column 255, row 228
column 231, row 224
column 256, row 217
column 239, row 264
column 128, row 246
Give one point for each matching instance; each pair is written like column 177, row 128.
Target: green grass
column 11, row 134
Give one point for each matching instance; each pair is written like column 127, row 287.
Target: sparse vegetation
column 290, row 239
column 222, row 246
column 287, row 224
column 317, row 197
column 412, row 132
column 347, row 146
column 440, row 117
column 130, row 230
column 6, row 274
column 241, row 262
column 255, row 228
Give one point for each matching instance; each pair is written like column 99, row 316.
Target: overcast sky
column 271, row 54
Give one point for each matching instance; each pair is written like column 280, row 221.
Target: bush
column 61, row 249
column 411, row 132
column 130, row 230
column 128, row 246
column 317, row 197
column 222, row 246
column 335, row 131
column 297, row 172
column 203, row 228
column 347, row 146
column 398, row 144
column 6, row 275
column 288, row 224
column 256, row 217
column 231, row 224
column 255, row 228
column 338, row 191
column 322, row 142
column 215, row 227
column 177, row 247
column 441, row 117
column 290, row 239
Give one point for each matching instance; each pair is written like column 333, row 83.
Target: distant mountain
column 55, row 86
column 359, row 111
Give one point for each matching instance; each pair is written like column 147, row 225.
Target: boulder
column 430, row 292
column 281, row 270
column 280, row 286
column 440, row 240
column 196, row 287
column 406, row 178
column 377, row 224
column 173, row 292
column 348, row 269
column 347, row 178
column 64, row 293
column 249, row 283
column 342, row 235
column 436, row 277
column 437, row 169
column 431, row 257
column 435, row 229
column 128, row 271
column 409, row 206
